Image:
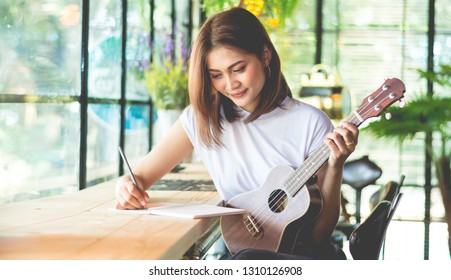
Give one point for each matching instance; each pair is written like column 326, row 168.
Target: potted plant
column 166, row 74
column 164, row 71
column 425, row 114
column 167, row 82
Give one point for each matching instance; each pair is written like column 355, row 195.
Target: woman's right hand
column 128, row 196
column 170, row 151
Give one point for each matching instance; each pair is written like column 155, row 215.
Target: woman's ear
column 266, row 55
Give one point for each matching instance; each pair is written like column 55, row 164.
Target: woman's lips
column 238, row 94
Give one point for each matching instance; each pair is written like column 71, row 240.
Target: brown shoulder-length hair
column 237, row 28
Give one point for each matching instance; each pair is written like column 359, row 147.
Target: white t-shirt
column 284, row 136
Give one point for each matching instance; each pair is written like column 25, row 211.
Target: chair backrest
column 365, row 242
column 387, row 192
column 361, row 172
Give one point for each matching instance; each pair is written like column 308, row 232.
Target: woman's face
column 237, row 75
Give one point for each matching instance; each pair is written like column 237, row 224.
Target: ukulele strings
column 354, row 118
column 293, row 181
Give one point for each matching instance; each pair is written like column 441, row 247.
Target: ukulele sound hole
column 277, row 201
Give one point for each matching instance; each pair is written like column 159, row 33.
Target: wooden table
column 81, row 226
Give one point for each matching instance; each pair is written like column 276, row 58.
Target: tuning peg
column 388, row 116
column 402, row 103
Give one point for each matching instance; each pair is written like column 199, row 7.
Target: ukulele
column 278, row 211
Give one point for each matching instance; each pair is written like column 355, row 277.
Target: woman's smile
column 238, row 94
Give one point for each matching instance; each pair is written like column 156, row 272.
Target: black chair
column 365, row 242
column 359, row 174
column 387, row 192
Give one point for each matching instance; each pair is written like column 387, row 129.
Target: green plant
column 428, row 114
column 168, row 84
column 166, row 76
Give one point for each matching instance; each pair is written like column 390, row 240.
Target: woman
column 242, row 122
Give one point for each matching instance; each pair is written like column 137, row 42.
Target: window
column 42, row 91
column 367, row 42
column 65, row 101
column 39, row 89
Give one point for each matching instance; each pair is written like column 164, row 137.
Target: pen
column 135, row 183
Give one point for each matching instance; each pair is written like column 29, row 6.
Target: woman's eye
column 215, row 77
column 239, row 70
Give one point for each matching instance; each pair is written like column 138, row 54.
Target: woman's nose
column 232, row 83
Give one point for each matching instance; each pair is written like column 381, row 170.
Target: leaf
column 421, row 115
column 441, row 77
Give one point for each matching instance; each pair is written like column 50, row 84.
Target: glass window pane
column 368, row 42
column 442, row 12
column 40, row 47
column 103, row 140
column 136, row 132
column 296, row 43
column 330, row 52
column 297, row 54
column 138, row 49
column 373, row 13
column 162, row 16
column 438, row 249
column 163, row 46
column 105, row 49
column 39, row 150
column 330, row 16
column 442, row 48
column 416, row 15
column 363, row 62
column 404, row 241
column 182, row 16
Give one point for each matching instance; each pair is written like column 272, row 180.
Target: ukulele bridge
column 252, row 226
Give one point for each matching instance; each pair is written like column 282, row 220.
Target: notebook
column 187, row 210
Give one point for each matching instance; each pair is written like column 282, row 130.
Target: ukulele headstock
column 374, row 104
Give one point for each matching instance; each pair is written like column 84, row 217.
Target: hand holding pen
column 128, row 192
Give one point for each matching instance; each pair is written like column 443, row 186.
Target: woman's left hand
column 342, row 142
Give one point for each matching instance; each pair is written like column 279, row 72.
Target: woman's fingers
column 345, row 136
column 129, row 197
column 342, row 142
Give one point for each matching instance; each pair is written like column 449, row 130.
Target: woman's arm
column 342, row 142
column 169, row 152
